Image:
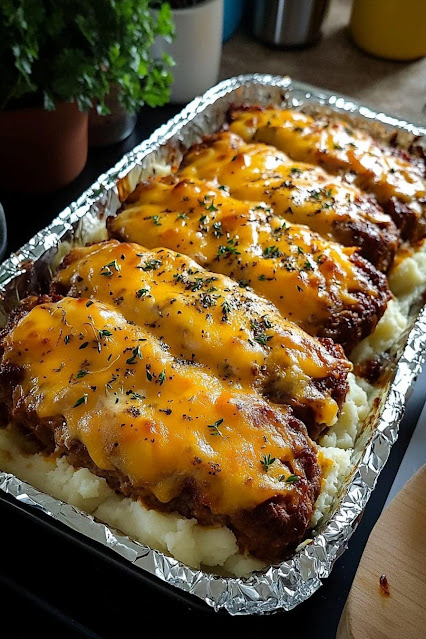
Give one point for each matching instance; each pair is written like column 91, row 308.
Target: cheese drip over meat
column 302, row 193
column 327, row 289
column 207, row 318
column 170, row 432
column 393, row 176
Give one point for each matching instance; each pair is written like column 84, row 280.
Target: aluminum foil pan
column 283, row 586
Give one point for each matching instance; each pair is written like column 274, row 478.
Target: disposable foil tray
column 282, row 586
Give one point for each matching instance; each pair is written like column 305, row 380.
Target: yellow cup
column 393, row 29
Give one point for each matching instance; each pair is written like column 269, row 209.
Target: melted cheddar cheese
column 206, row 318
column 308, row 278
column 337, row 146
column 302, row 193
column 111, row 386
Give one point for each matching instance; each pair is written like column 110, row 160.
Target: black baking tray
column 71, row 586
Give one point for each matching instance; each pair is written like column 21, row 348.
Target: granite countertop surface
column 337, row 64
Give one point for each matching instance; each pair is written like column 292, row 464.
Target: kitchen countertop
column 337, row 64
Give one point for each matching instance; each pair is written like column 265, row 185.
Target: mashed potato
column 344, row 432
column 407, row 279
column 194, row 545
column 389, row 329
column 211, row 548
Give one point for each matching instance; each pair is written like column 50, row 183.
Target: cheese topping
column 111, row 386
column 302, row 193
column 206, row 318
column 307, row 277
column 335, row 144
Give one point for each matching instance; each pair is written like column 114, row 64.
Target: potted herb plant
column 58, row 58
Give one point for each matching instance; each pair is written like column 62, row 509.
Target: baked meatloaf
column 86, row 383
column 206, row 318
column 301, row 193
column 327, row 289
column 396, row 178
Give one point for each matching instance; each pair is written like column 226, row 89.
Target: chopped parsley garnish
column 155, row 219
column 229, row 249
column 151, row 265
column 81, row 400
column 81, row 373
column 141, row 292
column 271, row 251
column 226, row 309
column 197, row 285
column 107, row 268
column 258, row 328
column 267, row 462
column 217, row 229
column 215, row 428
column 212, row 208
column 136, row 354
column 162, row 377
column 137, row 396
column 262, row 339
column 104, row 333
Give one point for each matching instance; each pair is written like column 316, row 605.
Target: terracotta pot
column 40, row 150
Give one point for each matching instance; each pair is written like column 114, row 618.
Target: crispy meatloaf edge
column 377, row 242
column 336, row 385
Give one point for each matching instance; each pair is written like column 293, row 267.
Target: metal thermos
column 288, row 23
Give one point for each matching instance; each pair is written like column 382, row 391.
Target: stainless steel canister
column 288, row 23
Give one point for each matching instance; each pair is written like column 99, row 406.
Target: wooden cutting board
column 396, row 549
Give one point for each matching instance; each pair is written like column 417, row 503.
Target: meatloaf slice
column 301, row 193
column 313, row 281
column 207, row 318
column 91, row 386
column 394, row 176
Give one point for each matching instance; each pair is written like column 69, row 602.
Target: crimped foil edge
column 286, row 585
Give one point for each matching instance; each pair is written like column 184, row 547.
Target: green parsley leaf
column 267, row 462
column 215, row 428
column 136, row 354
column 81, row 400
